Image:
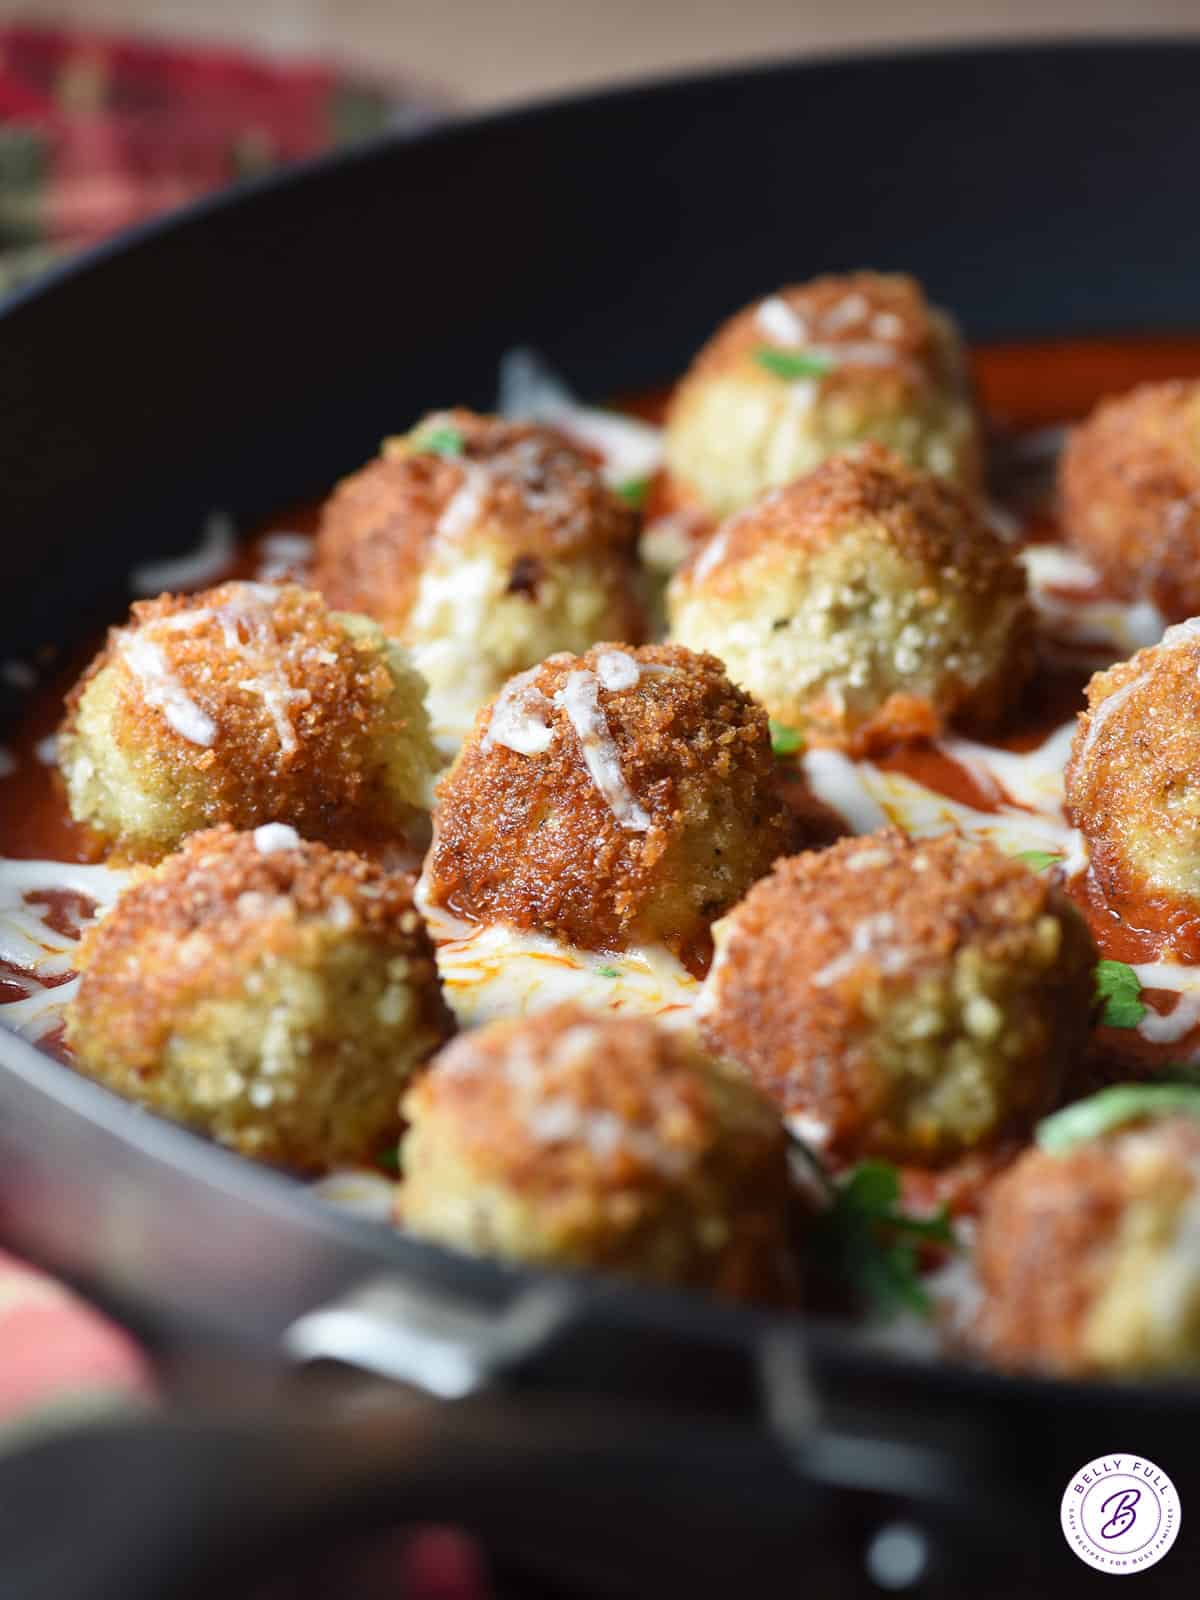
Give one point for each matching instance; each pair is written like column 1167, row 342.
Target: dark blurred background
column 112, row 111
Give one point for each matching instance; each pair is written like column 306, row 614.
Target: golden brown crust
column 242, row 905
column 1133, row 784
column 865, row 604
column 531, row 840
column 1048, row 1237
column 852, row 313
column 930, row 522
column 617, row 1143
column 849, row 974
column 1047, row 1224
column 303, row 711
column 1129, row 487
column 213, row 926
column 536, row 492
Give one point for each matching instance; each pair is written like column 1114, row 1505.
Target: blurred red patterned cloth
column 63, row 1364
column 57, row 1354
column 98, row 131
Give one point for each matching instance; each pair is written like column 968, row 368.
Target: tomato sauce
column 1023, row 387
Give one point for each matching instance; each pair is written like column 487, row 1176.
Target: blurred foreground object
column 99, row 131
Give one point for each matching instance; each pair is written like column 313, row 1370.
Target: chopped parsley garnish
column 1039, row 860
column 607, row 972
column 793, row 363
column 867, row 1245
column 1120, row 995
column 634, row 492
column 441, row 441
column 389, row 1159
column 1113, row 1108
column 785, row 741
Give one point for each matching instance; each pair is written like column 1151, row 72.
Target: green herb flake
column 870, row 1247
column 793, row 363
column 1120, row 995
column 389, row 1159
column 785, row 741
column 607, row 972
column 441, row 441
column 634, row 492
column 1114, row 1108
column 1039, row 860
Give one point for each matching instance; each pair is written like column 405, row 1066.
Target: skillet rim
column 154, row 1141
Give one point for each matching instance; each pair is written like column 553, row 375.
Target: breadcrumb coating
column 871, row 359
column 1087, row 1259
column 904, row 998
column 269, row 991
column 1133, row 784
column 244, row 704
column 1129, row 489
column 610, row 816
column 862, row 604
column 484, row 546
column 598, row 1141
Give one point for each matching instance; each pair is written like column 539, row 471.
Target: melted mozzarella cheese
column 1184, row 1016
column 1031, row 778
column 490, row 971
column 868, row 798
column 1094, row 629
column 579, row 697
column 629, row 448
column 454, row 598
column 41, row 954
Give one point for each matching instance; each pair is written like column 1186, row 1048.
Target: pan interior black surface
column 248, row 352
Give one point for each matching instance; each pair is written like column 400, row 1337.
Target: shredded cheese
column 580, row 699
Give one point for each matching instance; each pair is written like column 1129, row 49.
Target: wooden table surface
column 486, row 52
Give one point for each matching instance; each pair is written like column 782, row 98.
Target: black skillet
column 607, row 1439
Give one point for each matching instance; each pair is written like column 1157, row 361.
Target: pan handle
column 442, row 1344
column 586, row 1498
column 596, row 1500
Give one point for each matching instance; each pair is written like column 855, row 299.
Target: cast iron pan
column 613, row 1440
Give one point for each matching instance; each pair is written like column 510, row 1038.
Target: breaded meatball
column 1133, row 783
column 483, row 546
column 865, row 603
column 610, row 799
column 1129, row 488
column 593, row 1141
column 906, row 998
column 811, row 370
column 1087, row 1260
column 273, row 993
column 245, row 704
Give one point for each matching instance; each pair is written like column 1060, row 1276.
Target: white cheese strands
column 580, row 699
column 40, row 953
column 1028, row 788
column 248, row 630
column 490, row 971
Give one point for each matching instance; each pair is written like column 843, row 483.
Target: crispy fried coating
column 1087, row 1259
column 905, row 998
column 1129, row 489
column 1133, row 783
column 598, row 1141
column 247, row 703
column 862, row 604
column 484, row 546
column 870, row 359
column 610, row 799
column 271, row 992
